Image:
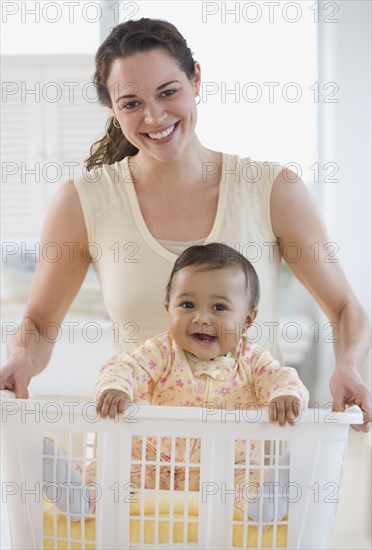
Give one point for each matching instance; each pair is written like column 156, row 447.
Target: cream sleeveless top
column 133, row 267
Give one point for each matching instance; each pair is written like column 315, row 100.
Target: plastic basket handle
column 355, row 409
column 7, row 394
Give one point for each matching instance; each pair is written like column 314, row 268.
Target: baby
column 205, row 357
column 211, row 300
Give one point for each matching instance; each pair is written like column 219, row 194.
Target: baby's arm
column 131, row 377
column 279, row 387
column 112, row 402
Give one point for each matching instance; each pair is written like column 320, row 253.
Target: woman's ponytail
column 113, row 147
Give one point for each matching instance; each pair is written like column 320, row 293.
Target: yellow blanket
column 177, row 533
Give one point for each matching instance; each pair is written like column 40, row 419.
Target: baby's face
column 208, row 310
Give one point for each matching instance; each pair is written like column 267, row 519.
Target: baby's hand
column 111, row 403
column 285, row 408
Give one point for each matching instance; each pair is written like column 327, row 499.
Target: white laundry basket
column 172, row 517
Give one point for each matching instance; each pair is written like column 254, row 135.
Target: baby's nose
column 202, row 318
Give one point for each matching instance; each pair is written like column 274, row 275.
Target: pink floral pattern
column 163, row 374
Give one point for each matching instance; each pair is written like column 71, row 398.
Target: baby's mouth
column 205, row 338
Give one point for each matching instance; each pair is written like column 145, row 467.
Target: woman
column 153, row 190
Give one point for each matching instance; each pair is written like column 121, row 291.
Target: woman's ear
column 251, row 317
column 197, row 77
column 166, row 306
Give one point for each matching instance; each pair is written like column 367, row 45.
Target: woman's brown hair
column 124, row 40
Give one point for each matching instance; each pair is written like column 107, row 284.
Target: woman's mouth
column 162, row 136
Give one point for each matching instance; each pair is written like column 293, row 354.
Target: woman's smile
column 164, row 135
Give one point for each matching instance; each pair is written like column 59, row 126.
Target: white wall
column 345, row 138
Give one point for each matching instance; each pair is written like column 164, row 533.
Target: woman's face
column 154, row 102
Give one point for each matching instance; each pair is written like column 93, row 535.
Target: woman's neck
column 194, row 166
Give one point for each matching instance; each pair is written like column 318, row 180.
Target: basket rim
column 212, row 412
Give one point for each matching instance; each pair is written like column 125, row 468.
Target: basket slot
column 166, row 473
column 67, row 459
column 261, row 472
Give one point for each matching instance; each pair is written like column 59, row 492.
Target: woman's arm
column 54, row 286
column 296, row 220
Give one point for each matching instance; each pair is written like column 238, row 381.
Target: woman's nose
column 155, row 114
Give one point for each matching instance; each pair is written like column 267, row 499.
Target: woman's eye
column 187, row 305
column 129, row 106
column 219, row 307
column 169, row 93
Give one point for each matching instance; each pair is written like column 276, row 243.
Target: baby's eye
column 187, row 305
column 219, row 307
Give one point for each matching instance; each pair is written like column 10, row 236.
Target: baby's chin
column 202, row 357
column 206, row 354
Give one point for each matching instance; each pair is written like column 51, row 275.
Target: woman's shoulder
column 104, row 174
column 247, row 170
column 102, row 186
column 64, row 220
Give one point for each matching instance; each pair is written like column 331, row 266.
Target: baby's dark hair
column 217, row 256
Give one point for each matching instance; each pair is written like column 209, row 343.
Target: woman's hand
column 112, row 402
column 285, row 408
column 15, row 376
column 347, row 388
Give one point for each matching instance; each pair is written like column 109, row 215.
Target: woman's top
column 133, row 267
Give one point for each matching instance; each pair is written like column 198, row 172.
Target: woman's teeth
column 164, row 134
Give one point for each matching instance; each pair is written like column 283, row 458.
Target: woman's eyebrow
column 167, row 84
column 131, row 96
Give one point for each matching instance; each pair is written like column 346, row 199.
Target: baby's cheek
column 230, row 331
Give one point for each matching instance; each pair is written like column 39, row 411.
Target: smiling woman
column 163, row 106
column 149, row 81
column 148, row 185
